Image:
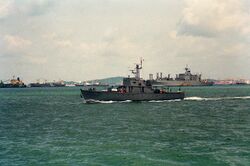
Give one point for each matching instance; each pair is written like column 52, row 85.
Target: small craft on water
column 134, row 89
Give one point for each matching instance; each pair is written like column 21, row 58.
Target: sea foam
column 196, row 98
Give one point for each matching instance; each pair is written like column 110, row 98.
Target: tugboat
column 133, row 88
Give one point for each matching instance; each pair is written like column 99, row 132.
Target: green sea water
column 52, row 126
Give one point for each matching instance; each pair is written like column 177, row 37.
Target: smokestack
column 157, row 76
column 161, row 75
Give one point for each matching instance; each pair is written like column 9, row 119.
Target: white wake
column 195, row 98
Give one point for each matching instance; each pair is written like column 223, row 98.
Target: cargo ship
column 133, row 88
column 13, row 83
column 182, row 79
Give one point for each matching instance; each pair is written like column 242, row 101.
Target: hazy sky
column 87, row 39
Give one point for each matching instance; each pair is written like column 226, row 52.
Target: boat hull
column 12, row 86
column 116, row 96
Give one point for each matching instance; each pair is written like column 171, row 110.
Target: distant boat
column 70, row 85
column 231, row 82
column 241, row 82
column 96, row 84
column 47, row 84
column 13, row 83
column 182, row 79
column 79, row 84
column 40, row 85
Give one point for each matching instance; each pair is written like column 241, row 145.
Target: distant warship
column 133, row 88
column 182, row 79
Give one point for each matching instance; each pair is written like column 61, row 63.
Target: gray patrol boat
column 133, row 88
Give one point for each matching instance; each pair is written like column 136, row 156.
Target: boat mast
column 137, row 70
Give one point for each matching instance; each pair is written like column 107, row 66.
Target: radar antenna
column 137, row 69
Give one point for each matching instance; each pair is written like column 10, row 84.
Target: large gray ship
column 182, row 79
column 134, row 89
